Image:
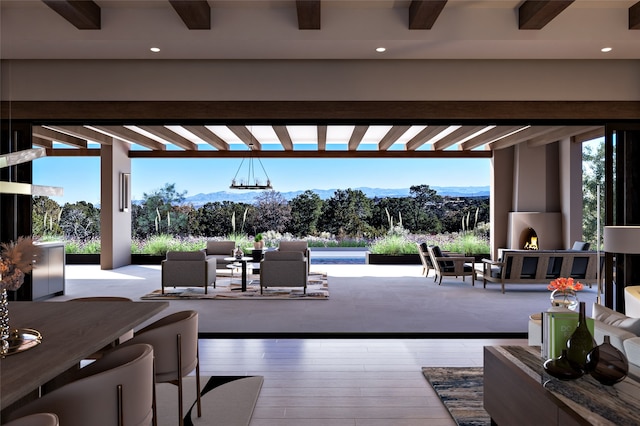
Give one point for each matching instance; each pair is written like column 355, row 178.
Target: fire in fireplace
column 530, row 239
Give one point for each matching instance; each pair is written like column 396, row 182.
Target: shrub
column 393, row 245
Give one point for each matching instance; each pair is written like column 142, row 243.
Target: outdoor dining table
column 70, row 332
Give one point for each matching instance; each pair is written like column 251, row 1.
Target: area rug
column 461, row 391
column 226, row 400
column 228, row 288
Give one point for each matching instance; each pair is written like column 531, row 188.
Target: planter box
column 147, row 259
column 388, row 259
column 82, row 259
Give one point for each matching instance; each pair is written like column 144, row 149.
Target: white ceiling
column 267, row 29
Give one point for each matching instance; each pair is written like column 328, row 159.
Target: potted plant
column 258, row 244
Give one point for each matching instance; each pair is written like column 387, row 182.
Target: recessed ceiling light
column 606, row 49
column 155, row 49
column 380, row 49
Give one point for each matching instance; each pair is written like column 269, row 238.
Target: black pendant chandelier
column 251, row 181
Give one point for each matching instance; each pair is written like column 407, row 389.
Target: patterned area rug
column 228, row 288
column 226, row 400
column 460, row 390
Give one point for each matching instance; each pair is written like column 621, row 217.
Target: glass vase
column 607, row 364
column 4, row 323
column 564, row 299
column 581, row 341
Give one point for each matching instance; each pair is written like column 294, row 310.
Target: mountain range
column 249, row 196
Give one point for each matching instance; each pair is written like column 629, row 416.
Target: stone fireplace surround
column 547, row 226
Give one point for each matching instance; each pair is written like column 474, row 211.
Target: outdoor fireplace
column 535, row 231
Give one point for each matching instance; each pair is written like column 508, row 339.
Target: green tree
column 45, row 216
column 273, row 212
column 592, row 177
column 305, row 212
column 347, row 214
column 80, row 221
column 157, row 215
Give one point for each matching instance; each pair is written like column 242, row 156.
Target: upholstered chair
column 115, row 390
column 219, row 249
column 175, row 342
column 188, row 269
column 299, row 246
column 39, row 419
column 283, row 269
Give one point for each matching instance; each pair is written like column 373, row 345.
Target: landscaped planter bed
column 82, row 259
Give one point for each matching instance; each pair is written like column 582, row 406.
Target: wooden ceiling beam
column 559, row 134
column 208, row 136
column 196, row 14
column 535, row 14
column 66, row 152
column 129, row 136
column 312, row 154
column 322, row 138
column 245, row 135
column 170, row 136
column 587, row 136
column 392, row 136
column 284, row 136
column 424, row 136
column 489, row 136
column 456, row 136
column 54, row 136
column 424, row 13
column 35, row 140
column 309, row 12
column 356, row 137
column 520, row 137
column 83, row 133
column 634, row 17
column 82, row 14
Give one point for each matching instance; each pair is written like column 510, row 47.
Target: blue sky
column 80, row 177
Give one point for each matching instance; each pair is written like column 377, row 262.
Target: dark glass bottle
column 607, row 364
column 561, row 368
column 581, row 341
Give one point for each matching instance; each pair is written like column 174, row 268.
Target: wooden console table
column 517, row 391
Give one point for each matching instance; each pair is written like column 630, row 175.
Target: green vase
column 581, row 341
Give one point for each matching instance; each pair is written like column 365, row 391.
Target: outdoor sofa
column 539, row 266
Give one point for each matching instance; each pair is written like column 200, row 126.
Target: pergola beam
column 208, row 136
column 458, row 134
column 424, row 13
column 83, row 133
column 245, row 135
column 284, row 137
column 559, row 134
column 172, row 137
column 392, row 136
column 356, row 137
column 535, row 14
column 129, row 136
column 82, row 14
column 489, row 136
column 54, row 136
column 322, row 137
column 424, row 136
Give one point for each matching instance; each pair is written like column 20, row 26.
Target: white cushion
column 632, row 350
column 616, row 319
column 632, row 301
